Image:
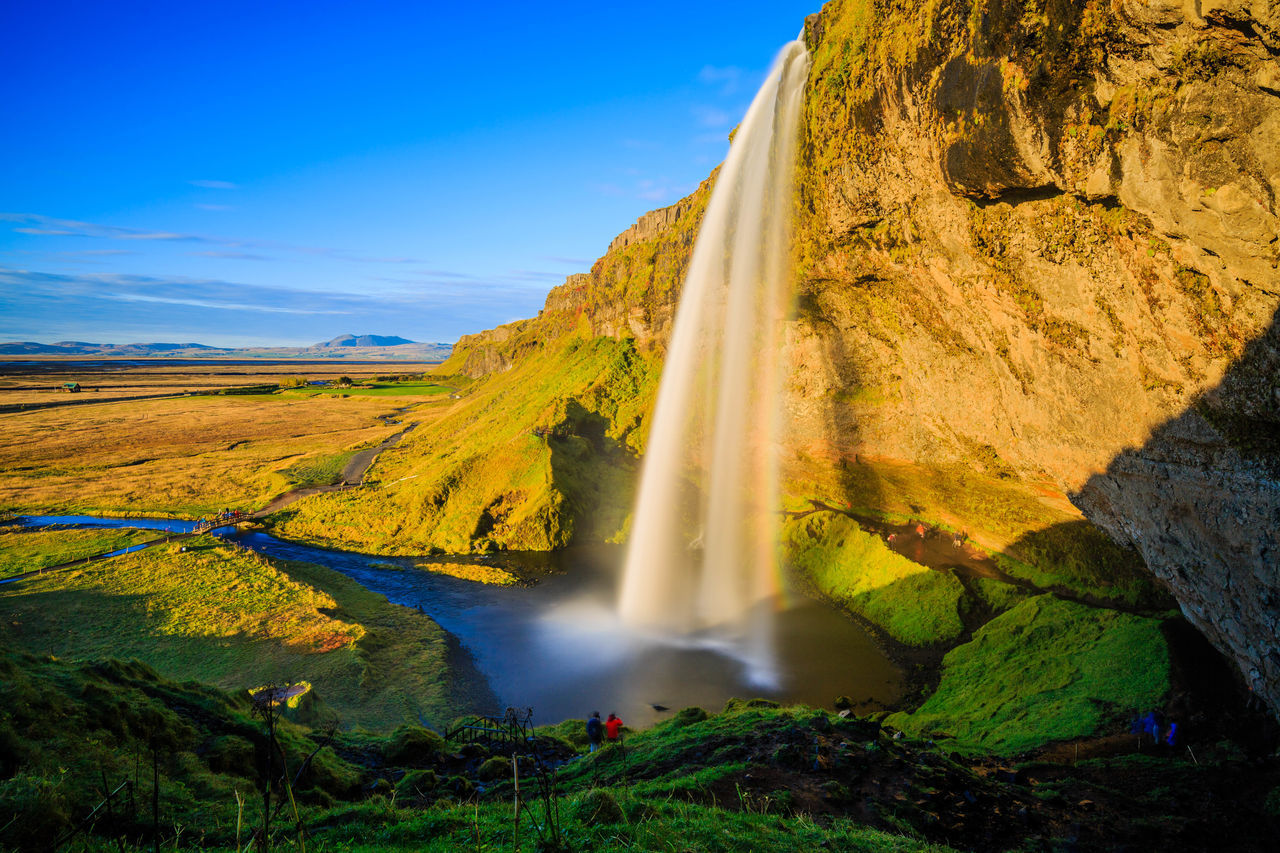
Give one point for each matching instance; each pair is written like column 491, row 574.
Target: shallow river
column 556, row 646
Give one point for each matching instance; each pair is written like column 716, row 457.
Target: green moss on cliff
column 913, row 604
column 1046, row 670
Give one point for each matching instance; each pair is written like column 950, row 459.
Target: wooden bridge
column 508, row 733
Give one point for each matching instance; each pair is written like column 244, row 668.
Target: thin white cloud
column 234, row 256
column 208, row 303
column 159, row 235
column 37, row 224
column 214, row 185
column 47, row 232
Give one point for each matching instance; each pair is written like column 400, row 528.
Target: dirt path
column 352, row 475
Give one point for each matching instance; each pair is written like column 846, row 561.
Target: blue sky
column 257, row 173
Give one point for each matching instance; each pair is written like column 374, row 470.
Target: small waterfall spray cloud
column 702, row 557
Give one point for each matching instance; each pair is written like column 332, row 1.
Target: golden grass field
column 184, row 456
column 110, row 381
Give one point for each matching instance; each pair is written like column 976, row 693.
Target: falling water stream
column 701, row 560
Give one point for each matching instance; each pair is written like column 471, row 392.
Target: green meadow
column 223, row 616
column 375, row 389
column 23, row 550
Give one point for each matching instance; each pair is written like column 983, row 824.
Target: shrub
column 231, row 754
column 743, row 704
column 39, row 809
column 1272, row 804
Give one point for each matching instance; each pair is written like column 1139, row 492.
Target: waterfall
column 702, row 555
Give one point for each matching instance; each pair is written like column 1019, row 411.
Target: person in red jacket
column 613, row 728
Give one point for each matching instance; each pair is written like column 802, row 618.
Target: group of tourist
column 227, row 516
column 598, row 732
column 958, row 538
column 1157, row 727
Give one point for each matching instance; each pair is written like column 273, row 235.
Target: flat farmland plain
column 190, row 456
column 184, row 456
column 41, row 382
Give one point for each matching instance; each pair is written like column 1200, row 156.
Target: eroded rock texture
column 1049, row 231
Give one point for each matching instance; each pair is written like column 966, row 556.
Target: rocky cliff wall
column 1043, row 237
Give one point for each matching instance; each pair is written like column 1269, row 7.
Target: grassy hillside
column 1046, row 670
column 912, row 603
column 234, row 619
column 527, row 458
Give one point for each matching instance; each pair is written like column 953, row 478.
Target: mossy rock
column 413, row 745
column 734, row 705
column 689, row 716
column 494, row 769
column 789, row 755
column 820, row 722
column 329, row 773
column 460, row 786
column 417, row 784
column 597, row 807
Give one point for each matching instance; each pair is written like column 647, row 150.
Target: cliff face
column 1041, row 238
column 1037, row 284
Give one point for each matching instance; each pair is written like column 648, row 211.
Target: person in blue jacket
column 595, row 731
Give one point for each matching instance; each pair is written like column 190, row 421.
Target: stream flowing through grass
column 556, row 644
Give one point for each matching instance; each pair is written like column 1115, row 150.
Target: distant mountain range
column 365, row 341
column 349, row 347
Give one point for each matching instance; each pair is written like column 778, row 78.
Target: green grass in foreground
column 234, row 619
column 665, row 825
column 914, row 604
column 25, row 550
column 65, row 726
column 1046, row 670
